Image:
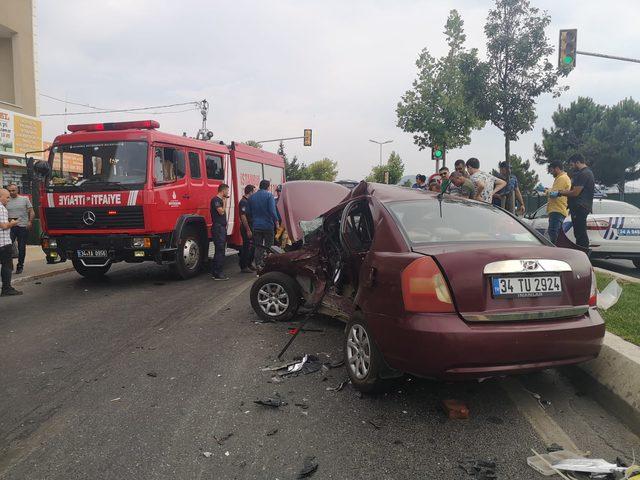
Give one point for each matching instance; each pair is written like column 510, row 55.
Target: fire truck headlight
column 141, row 242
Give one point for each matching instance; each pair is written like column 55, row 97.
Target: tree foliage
column 293, row 170
column 517, row 71
column 527, row 178
column 436, row 109
column 325, row 169
column 394, row 166
column 608, row 138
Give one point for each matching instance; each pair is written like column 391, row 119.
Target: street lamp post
column 381, row 143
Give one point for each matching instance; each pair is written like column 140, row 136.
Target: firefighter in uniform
column 246, row 251
column 219, row 230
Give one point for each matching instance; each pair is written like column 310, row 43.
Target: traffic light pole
column 612, row 57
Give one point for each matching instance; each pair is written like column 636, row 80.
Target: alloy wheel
column 273, row 299
column 358, row 351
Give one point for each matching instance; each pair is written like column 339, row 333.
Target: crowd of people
column 259, row 222
column 566, row 195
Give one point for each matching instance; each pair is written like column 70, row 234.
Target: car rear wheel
column 189, row 255
column 363, row 360
column 92, row 273
column 275, row 297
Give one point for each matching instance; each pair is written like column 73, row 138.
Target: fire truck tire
column 189, row 254
column 275, row 297
column 92, row 273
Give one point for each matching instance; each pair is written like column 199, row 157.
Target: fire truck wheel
column 189, row 255
column 275, row 297
column 92, row 273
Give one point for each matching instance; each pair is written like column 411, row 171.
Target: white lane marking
column 546, row 428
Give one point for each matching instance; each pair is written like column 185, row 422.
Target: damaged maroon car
column 430, row 285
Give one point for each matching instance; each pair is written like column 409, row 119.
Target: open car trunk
column 518, row 282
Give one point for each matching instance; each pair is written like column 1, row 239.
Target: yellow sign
column 27, row 134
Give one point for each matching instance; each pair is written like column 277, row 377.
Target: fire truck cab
column 143, row 195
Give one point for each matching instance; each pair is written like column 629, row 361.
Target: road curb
column 621, row 276
column 19, row 280
column 617, row 371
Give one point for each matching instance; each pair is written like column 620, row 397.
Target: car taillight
column 594, row 224
column 424, row 288
column 593, row 295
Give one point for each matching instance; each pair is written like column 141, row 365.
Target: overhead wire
column 97, row 110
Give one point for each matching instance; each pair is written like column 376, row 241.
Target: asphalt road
column 139, row 375
column 621, row 266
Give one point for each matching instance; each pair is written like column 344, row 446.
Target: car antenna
column 443, row 188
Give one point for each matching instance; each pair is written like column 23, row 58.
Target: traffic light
column 568, row 48
column 307, row 137
column 436, row 153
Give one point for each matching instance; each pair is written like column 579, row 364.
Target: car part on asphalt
column 272, row 432
column 309, row 467
column 275, row 401
column 339, row 387
column 455, row 409
column 223, row 439
column 544, row 463
column 207, row 454
column 479, row 469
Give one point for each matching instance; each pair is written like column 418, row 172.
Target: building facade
column 20, row 127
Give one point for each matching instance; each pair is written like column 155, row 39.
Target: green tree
column 296, row 171
column 572, row 132
column 517, row 71
column 253, row 143
column 608, row 138
column 394, row 166
column 527, row 178
column 436, row 109
column 325, row 169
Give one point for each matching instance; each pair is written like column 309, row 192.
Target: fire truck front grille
column 94, row 218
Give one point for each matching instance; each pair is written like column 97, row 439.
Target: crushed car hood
column 305, row 200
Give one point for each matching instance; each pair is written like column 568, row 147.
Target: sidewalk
column 35, row 266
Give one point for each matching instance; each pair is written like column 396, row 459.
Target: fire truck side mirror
column 42, row 168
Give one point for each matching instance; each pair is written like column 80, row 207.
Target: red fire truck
column 143, row 195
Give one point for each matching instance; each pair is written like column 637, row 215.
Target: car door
column 198, row 198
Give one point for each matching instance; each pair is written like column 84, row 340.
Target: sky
column 271, row 68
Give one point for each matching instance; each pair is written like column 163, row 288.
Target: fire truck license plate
column 92, row 253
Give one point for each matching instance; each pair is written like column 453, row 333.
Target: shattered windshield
column 310, row 228
column 100, row 165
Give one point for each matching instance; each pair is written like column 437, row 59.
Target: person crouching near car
column 463, row 187
column 557, row 206
column 6, row 246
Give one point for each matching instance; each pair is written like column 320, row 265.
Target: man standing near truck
column 6, row 248
column 246, row 251
column 262, row 210
column 20, row 207
column 219, row 230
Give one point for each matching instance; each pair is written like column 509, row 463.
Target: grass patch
column 623, row 318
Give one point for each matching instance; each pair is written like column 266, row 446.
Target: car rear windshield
column 615, row 208
column 461, row 221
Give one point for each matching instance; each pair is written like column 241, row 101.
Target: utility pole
column 381, row 144
column 204, row 133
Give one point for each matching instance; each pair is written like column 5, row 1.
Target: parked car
column 613, row 229
column 436, row 287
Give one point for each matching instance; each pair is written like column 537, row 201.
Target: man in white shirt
column 486, row 185
column 6, row 249
column 20, row 208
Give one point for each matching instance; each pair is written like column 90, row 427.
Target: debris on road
column 274, row 401
column 608, row 297
column 303, row 406
column 207, row 454
column 115, row 399
column 308, row 364
column 282, row 366
column 554, row 447
column 272, row 432
column 587, row 465
column 309, row 467
column 376, row 424
column 479, row 469
column 152, row 374
column 455, row 409
column 226, row 454
column 223, row 439
column 544, row 463
column 339, row 387
column 541, row 401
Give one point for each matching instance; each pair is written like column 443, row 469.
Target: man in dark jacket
column 246, row 251
column 264, row 219
column 219, row 230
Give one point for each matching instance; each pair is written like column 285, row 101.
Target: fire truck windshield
column 104, row 165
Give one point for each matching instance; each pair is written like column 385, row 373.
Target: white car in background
column 613, row 229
